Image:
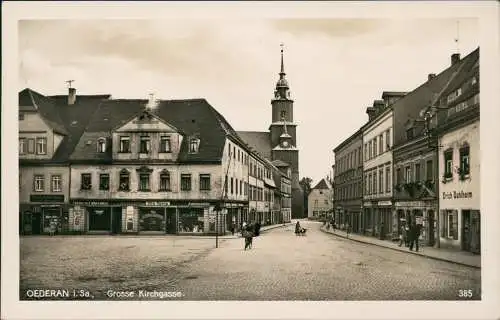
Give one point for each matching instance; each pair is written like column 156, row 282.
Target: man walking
column 415, row 234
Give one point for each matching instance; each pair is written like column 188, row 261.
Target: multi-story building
column 415, row 157
column 320, row 200
column 349, row 182
column 49, row 128
column 459, row 159
column 280, row 142
column 283, row 172
column 377, row 169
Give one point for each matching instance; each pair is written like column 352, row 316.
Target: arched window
column 101, row 145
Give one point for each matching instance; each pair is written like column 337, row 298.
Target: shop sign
column 91, row 203
column 157, row 203
column 367, row 204
column 385, row 203
column 47, row 198
column 457, row 195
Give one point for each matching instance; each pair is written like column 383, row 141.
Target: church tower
column 283, row 136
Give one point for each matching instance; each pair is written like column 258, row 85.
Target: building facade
column 377, row 169
column 459, row 160
column 320, row 200
column 348, row 186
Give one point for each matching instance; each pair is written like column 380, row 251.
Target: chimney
column 431, row 76
column 71, row 96
column 455, row 58
column 371, row 112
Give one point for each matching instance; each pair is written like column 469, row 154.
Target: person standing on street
column 415, row 234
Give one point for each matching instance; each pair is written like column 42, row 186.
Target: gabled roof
column 279, row 163
column 323, row 184
column 31, row 100
column 258, row 140
column 193, row 117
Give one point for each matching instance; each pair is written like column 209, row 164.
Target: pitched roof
column 323, row 184
column 260, row 141
column 32, row 100
column 193, row 117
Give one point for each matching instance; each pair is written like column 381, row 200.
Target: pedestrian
column 382, row 231
column 232, row 228
column 297, row 228
column 257, row 229
column 415, row 234
column 402, row 236
column 52, row 226
column 407, row 233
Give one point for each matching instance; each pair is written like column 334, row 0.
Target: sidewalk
column 458, row 257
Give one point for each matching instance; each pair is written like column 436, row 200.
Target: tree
column 305, row 183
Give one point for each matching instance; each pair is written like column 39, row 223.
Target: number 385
column 465, row 293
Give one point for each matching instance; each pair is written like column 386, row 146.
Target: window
column 21, row 115
column 366, row 184
column 450, row 225
column 86, row 181
column 125, row 144
column 360, row 160
column 229, row 149
column 232, row 185
column 370, row 155
column 241, row 187
column 144, row 144
column 388, row 139
column 464, row 160
column 104, row 181
column 409, row 134
column 429, row 170
column 185, row 182
column 375, row 147
column 204, row 182
column 473, row 81
column 56, row 183
column 381, row 181
column 124, row 181
column 417, row 171
column 101, row 145
column 164, row 181
column 41, row 145
column 236, row 186
column 366, row 151
column 408, row 178
column 398, row 176
column 448, row 164
column 144, row 182
column 39, row 183
column 23, row 147
column 165, row 144
column 387, row 179
column 369, row 183
column 381, row 143
column 194, row 143
column 374, row 181
column 283, row 115
column 234, row 152
column 31, row 146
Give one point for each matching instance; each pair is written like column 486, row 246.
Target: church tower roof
column 282, row 84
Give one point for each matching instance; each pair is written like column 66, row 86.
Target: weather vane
column 69, row 82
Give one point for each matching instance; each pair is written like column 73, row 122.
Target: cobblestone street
column 281, row 266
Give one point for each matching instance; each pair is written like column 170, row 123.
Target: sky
column 335, row 67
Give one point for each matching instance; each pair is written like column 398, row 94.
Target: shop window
column 23, row 147
column 204, row 182
column 185, row 182
column 104, row 181
column 101, row 145
column 191, row 220
column 165, row 181
column 124, row 144
column 144, row 182
column 165, row 144
column 448, row 164
column 464, row 161
column 31, row 146
column 39, row 183
column 144, row 144
column 151, row 219
column 56, row 183
column 86, row 181
column 124, row 180
column 41, row 145
column 194, row 144
column 450, row 225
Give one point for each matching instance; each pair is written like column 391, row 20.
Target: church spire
column 282, row 87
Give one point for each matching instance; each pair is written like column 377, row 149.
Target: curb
column 396, row 249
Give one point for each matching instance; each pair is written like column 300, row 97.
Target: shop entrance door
column 430, row 222
column 171, row 221
column 99, row 219
column 116, row 213
column 36, row 223
column 466, row 230
column 475, row 228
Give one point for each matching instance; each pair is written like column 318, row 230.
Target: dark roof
column 322, row 185
column 393, row 94
column 260, row 141
column 61, row 99
column 279, row 163
column 469, row 68
column 346, row 141
column 31, row 100
column 193, row 117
